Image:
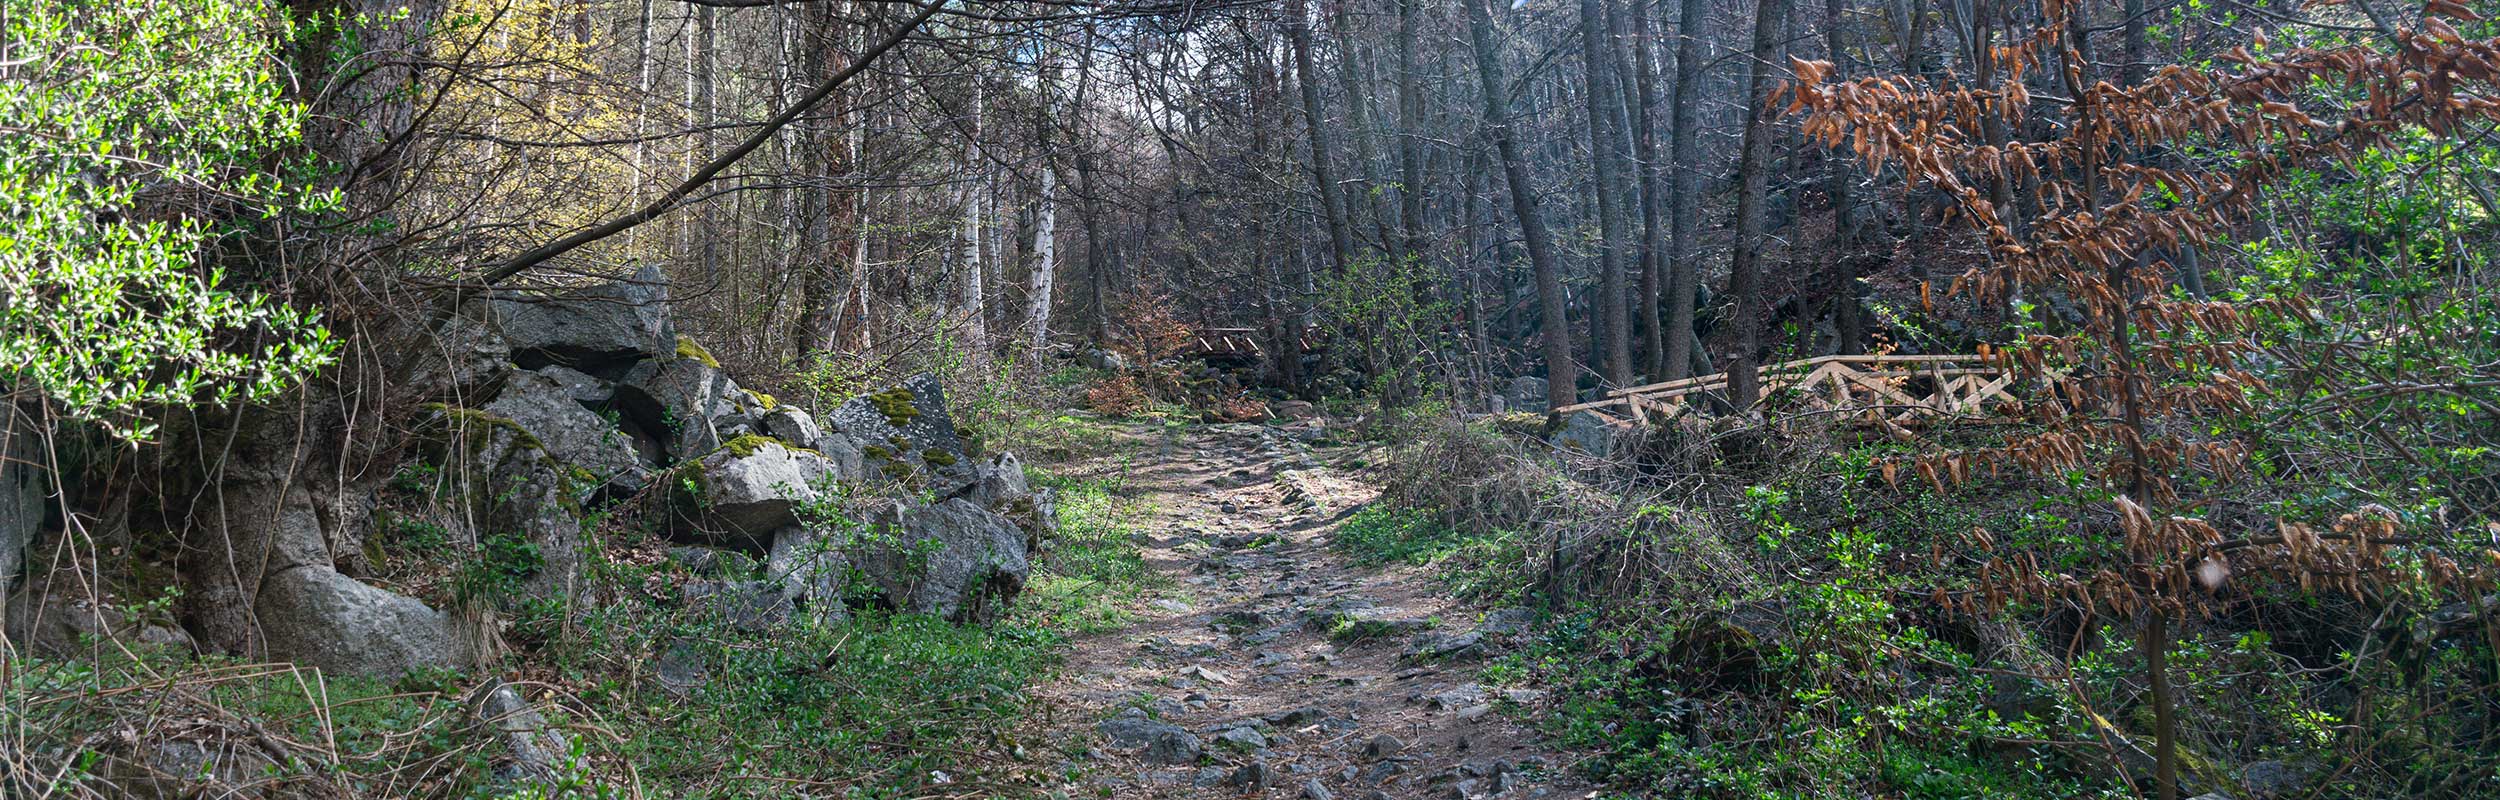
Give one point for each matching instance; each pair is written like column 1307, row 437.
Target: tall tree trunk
column 1410, row 130
column 1352, row 71
column 1562, row 375
column 706, row 102
column 1614, row 340
column 975, row 291
column 1323, row 176
column 1653, row 190
column 1745, row 270
column 1847, row 316
column 1684, row 198
column 1045, row 261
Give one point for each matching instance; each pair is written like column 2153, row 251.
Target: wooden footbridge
column 1898, row 389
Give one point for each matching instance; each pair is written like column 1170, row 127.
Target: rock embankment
column 528, row 417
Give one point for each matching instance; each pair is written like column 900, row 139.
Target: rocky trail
column 1271, row 665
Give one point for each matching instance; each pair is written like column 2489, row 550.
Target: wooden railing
column 1890, row 387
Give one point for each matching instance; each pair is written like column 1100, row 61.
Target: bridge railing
column 1898, row 388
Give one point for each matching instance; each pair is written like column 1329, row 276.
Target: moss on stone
column 896, row 405
column 687, row 348
column 753, row 441
column 761, row 399
column 937, row 458
column 478, row 424
column 898, row 470
column 877, row 451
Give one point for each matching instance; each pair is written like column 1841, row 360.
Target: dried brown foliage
column 2174, row 160
column 2117, row 181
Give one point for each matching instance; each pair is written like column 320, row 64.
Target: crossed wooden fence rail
column 1895, row 388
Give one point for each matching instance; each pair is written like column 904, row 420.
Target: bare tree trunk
column 1614, row 338
column 1848, row 319
column 706, row 112
column 1410, row 128
column 1684, row 200
column 1745, row 271
column 1562, row 375
column 1045, row 261
column 1323, row 177
column 1351, row 73
column 975, row 310
column 1653, row 200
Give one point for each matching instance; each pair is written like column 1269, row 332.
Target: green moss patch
column 687, row 348
column 896, row 405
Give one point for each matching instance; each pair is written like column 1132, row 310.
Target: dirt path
column 1273, row 667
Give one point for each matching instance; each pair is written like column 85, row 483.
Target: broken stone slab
column 751, row 489
column 1242, row 739
column 601, row 457
column 535, row 748
column 953, row 559
column 602, row 328
column 1158, row 742
column 313, row 615
column 791, row 424
column 1445, row 646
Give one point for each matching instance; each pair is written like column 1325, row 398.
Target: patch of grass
column 1093, row 570
column 1378, row 535
column 868, row 708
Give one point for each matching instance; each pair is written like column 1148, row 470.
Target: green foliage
column 139, row 133
column 1094, row 566
column 1381, row 534
column 1389, row 310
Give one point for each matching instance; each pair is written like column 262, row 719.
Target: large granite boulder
column 601, row 329
column 687, row 404
column 314, row 615
column 906, row 434
column 600, row 456
column 953, row 559
column 750, row 489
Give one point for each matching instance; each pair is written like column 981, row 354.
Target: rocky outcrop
column 374, row 544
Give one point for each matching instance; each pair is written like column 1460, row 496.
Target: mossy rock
column 762, row 400
column 896, row 405
column 688, row 349
column 937, row 458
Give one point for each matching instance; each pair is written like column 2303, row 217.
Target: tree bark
column 1045, row 261
column 1684, row 200
column 1745, row 270
column 1561, row 373
column 1653, row 190
column 1598, row 83
column 1323, row 176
